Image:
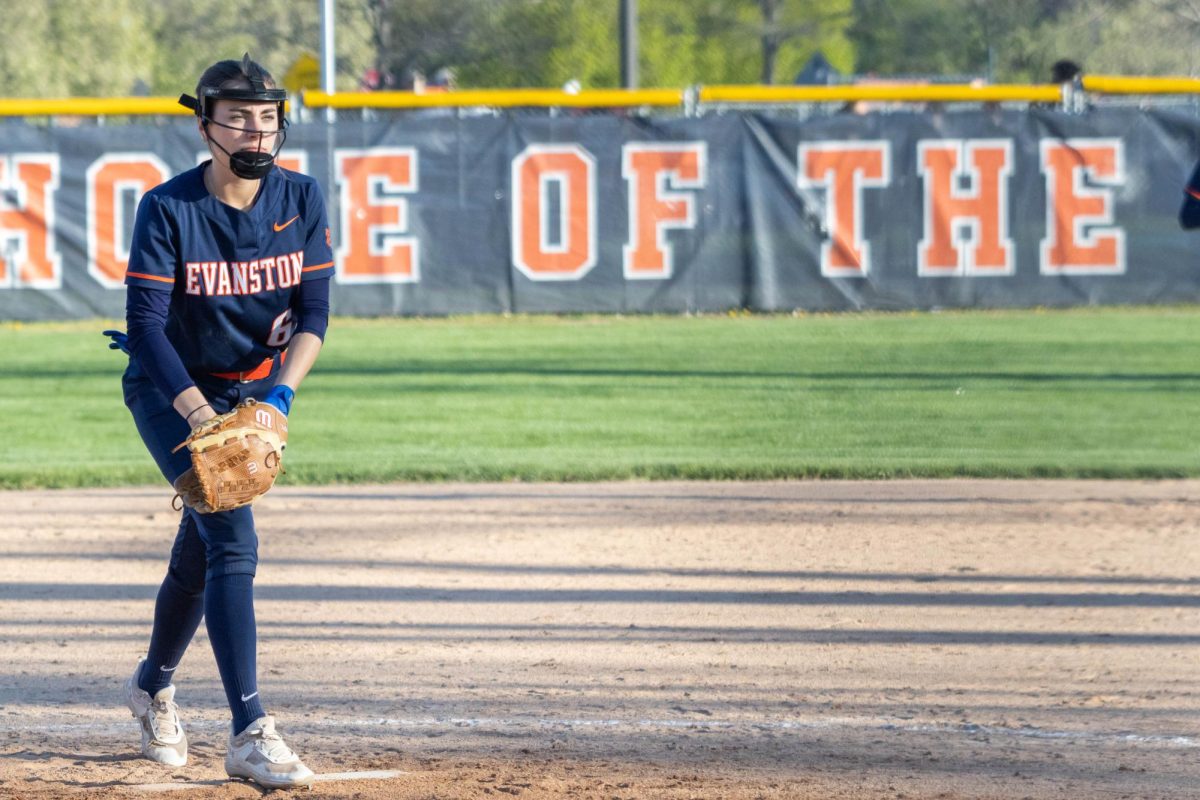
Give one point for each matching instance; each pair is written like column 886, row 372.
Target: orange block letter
column 293, row 160
column 842, row 170
column 110, row 181
column 1080, row 238
column 563, row 248
column 650, row 168
column 374, row 246
column 983, row 210
column 28, row 256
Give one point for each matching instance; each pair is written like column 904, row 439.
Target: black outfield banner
column 442, row 214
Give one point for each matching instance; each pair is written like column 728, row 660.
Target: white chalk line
column 747, row 727
column 172, row 787
column 785, row 725
column 365, row 775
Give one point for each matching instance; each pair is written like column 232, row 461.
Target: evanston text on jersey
column 220, row 278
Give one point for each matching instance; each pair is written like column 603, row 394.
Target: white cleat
column 163, row 739
column 259, row 754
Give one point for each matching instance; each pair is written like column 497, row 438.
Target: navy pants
column 216, row 551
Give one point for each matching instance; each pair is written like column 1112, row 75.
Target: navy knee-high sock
column 177, row 613
column 229, row 615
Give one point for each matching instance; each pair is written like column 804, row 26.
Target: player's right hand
column 120, row 341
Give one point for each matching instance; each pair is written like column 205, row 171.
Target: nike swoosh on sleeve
column 1193, row 193
column 279, row 227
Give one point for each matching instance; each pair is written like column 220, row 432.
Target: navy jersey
column 233, row 275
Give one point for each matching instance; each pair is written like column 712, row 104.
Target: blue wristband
column 281, row 397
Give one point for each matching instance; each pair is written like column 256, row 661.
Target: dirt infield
column 960, row 639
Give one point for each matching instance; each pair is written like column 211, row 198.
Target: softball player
column 228, row 298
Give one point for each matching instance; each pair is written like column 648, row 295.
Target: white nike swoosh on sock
column 169, row 669
column 246, row 697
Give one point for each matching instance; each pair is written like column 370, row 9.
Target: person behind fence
column 1189, row 212
column 1068, row 76
column 1065, row 71
column 227, row 299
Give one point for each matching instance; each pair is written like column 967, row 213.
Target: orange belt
column 256, row 374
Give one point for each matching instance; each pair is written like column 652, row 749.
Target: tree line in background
column 62, row 48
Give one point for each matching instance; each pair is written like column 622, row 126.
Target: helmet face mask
column 250, row 163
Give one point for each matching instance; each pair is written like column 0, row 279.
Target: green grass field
column 1077, row 393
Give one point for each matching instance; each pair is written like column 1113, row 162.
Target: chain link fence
column 450, row 44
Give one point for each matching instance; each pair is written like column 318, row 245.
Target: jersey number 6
column 282, row 329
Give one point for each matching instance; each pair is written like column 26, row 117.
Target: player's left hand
column 235, row 457
column 281, row 397
column 120, row 341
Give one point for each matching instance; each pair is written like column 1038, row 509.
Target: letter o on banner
column 111, row 180
column 547, row 246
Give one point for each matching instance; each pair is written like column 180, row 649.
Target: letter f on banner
column 652, row 170
column 843, row 170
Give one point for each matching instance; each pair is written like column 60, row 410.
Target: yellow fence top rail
column 499, row 98
column 1116, row 84
column 880, row 92
column 90, row 106
column 630, row 98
